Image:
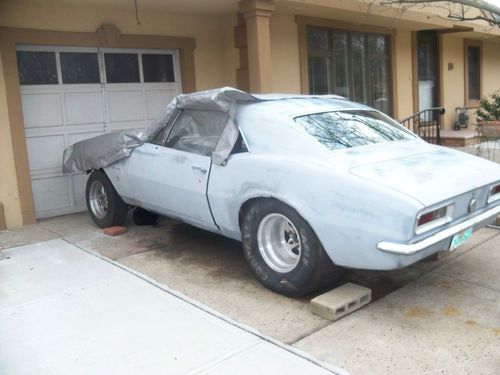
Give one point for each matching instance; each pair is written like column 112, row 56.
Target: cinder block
column 341, row 301
column 114, row 231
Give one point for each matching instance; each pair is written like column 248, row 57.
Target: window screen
column 122, row 67
column 197, row 131
column 37, row 68
column 158, row 68
column 79, row 67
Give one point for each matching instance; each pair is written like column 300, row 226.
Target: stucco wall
column 452, row 80
column 285, row 54
column 403, row 68
column 491, row 67
column 230, row 60
column 9, row 196
column 206, row 29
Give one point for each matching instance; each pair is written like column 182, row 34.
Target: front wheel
column 283, row 251
column 103, row 202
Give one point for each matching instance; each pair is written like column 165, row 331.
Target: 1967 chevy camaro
column 309, row 184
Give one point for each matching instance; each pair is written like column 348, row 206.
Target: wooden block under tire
column 114, row 231
column 341, row 301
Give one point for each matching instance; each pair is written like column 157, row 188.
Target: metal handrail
column 426, row 124
column 441, row 111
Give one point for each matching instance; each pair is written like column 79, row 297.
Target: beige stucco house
column 70, row 70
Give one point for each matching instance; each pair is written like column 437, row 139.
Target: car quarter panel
column 350, row 215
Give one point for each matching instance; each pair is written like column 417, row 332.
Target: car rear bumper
column 413, row 248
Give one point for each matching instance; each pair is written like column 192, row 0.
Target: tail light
column 433, row 218
column 494, row 193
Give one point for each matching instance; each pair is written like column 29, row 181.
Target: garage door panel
column 129, row 125
column 83, row 99
column 84, row 108
column 52, row 194
column 45, row 153
column 42, row 109
column 77, row 137
column 125, row 105
column 157, row 100
column 79, row 184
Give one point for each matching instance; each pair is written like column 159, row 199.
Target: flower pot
column 490, row 129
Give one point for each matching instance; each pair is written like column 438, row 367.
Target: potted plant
column 488, row 115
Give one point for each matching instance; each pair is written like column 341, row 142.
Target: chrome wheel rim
column 279, row 242
column 98, row 200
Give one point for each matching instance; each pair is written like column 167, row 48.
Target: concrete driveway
column 434, row 317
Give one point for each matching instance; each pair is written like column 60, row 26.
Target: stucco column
column 257, row 14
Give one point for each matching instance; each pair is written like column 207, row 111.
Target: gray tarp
column 103, row 150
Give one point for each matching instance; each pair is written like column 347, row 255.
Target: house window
column 79, row 67
column 158, row 68
column 352, row 64
column 473, row 72
column 37, row 68
column 122, row 67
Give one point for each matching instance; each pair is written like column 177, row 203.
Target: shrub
column 489, row 107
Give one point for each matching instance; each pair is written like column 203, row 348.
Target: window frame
column 139, row 52
column 102, row 68
column 176, row 121
column 169, row 122
column 304, row 22
column 478, row 44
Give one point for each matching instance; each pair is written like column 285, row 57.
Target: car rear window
column 345, row 129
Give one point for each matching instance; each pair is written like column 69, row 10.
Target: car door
column 170, row 174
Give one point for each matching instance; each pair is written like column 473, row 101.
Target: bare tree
column 462, row 10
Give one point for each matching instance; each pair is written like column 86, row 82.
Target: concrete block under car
column 114, row 231
column 341, row 301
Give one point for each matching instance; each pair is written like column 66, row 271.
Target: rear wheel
column 283, row 251
column 103, row 202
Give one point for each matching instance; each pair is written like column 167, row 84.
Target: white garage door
column 70, row 94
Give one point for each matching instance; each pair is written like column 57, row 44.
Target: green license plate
column 460, row 238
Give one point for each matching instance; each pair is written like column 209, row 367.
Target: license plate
column 460, row 238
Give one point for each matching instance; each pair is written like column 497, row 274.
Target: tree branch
column 489, row 12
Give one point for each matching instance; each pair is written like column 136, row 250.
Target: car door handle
column 200, row 169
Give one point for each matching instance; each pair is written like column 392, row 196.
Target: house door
column 70, row 94
column 427, row 70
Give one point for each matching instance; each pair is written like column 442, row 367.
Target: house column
column 257, row 14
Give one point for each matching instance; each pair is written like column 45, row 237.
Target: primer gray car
column 309, row 184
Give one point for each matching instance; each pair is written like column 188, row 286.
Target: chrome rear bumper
column 409, row 249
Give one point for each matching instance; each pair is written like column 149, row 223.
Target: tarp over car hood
column 103, row 150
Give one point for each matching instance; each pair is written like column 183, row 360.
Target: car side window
column 162, row 133
column 197, row 131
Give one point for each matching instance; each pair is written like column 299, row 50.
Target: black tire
column 144, row 217
column 314, row 269
column 116, row 209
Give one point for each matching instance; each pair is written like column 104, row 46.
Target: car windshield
column 345, row 129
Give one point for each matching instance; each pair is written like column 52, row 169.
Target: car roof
column 295, row 105
column 267, row 124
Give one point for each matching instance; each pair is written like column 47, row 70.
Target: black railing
column 426, row 124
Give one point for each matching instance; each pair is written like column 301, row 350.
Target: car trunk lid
column 431, row 176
